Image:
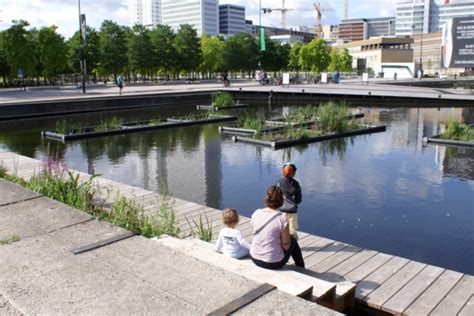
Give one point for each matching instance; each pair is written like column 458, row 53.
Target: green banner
column 262, row 40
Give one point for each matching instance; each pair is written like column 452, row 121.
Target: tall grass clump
column 248, row 121
column 201, row 229
column 332, row 117
column 66, row 127
column 222, row 99
column 455, row 130
column 108, row 124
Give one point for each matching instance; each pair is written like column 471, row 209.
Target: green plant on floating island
column 222, row 99
column 455, row 130
column 65, row 127
column 248, row 121
column 110, row 124
column 332, row 118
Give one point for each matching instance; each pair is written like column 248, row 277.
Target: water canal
column 385, row 191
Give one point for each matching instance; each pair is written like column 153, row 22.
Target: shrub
column 455, row 130
column 332, row 117
column 222, row 99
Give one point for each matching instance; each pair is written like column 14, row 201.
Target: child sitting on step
column 231, row 242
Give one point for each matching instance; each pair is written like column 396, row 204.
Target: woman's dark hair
column 274, row 197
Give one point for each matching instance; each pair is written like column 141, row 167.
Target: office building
column 429, row 16
column 361, row 29
column 231, row 19
column 202, row 15
column 145, row 12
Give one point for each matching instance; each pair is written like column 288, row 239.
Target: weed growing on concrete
column 201, row 229
column 9, row 240
column 222, row 99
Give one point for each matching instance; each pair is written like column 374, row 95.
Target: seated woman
column 272, row 244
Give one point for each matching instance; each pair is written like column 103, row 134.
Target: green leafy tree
column 241, row 53
column 295, row 56
column 164, row 53
column 212, row 54
column 19, row 48
column 140, row 51
column 112, row 48
column 314, row 56
column 52, row 51
column 91, row 51
column 340, row 60
column 4, row 69
column 188, row 49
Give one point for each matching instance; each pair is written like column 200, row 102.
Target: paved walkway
column 13, row 96
column 39, row 274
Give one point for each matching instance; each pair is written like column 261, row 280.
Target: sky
column 64, row 13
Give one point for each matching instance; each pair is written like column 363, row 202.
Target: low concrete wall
column 106, row 103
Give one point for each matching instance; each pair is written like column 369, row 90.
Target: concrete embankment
column 39, row 274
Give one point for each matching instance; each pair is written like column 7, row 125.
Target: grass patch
column 66, row 127
column 201, row 229
column 57, row 182
column 9, row 240
column 247, row 121
column 455, row 130
column 332, row 117
column 109, row 124
column 222, row 99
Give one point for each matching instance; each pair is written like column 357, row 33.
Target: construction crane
column 284, row 10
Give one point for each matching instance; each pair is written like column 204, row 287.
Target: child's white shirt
column 230, row 241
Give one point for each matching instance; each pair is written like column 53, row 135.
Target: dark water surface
column 385, row 191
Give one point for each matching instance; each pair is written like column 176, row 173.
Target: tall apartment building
column 428, row 16
column 231, row 19
column 203, row 15
column 145, row 12
column 360, row 29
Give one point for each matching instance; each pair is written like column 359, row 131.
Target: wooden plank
column 427, row 301
column 387, row 289
column 457, row 298
column 335, row 259
column 244, row 300
column 367, row 268
column 468, row 309
column 376, row 278
column 413, row 289
column 337, row 273
column 322, row 253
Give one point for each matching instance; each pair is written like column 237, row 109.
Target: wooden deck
column 384, row 282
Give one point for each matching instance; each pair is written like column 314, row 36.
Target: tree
column 19, row 48
column 91, row 51
column 295, row 56
column 4, row 69
column 212, row 54
column 140, row 51
column 164, row 53
column 112, row 48
column 340, row 60
column 188, row 49
column 241, row 53
column 314, row 56
column 52, row 51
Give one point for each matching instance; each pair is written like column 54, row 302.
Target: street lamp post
column 81, row 49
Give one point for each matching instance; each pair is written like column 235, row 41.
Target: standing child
column 120, row 83
column 291, row 196
column 231, row 242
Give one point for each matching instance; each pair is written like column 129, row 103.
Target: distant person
column 225, row 81
column 272, row 244
column 336, row 77
column 292, row 196
column 395, row 76
column 231, row 242
column 119, row 81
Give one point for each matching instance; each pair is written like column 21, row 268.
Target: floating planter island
column 456, row 134
column 133, row 127
column 277, row 140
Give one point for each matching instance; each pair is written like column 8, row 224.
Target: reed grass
column 456, row 130
column 201, row 229
column 222, row 99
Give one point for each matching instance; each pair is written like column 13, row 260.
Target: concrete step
column 324, row 292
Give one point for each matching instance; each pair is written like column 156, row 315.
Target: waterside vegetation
column 222, row 99
column 456, row 130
